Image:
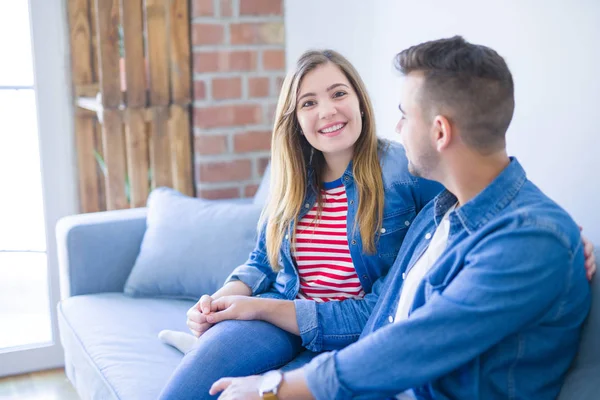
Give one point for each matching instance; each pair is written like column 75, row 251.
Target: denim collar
column 347, row 173
column 487, row 204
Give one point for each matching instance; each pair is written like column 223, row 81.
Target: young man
column 489, row 292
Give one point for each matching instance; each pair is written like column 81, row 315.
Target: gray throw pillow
column 191, row 245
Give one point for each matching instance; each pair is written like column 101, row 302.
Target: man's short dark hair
column 469, row 84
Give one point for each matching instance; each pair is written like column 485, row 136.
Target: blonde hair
column 291, row 154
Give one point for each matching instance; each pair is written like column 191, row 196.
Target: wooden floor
column 44, row 385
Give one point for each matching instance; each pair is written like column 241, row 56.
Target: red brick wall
column 239, row 63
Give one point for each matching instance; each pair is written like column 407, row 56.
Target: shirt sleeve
column 335, row 324
column 256, row 272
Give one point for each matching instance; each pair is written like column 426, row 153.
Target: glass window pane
column 24, row 304
column 21, row 205
column 16, row 68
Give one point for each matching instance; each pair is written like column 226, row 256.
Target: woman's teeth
column 332, row 128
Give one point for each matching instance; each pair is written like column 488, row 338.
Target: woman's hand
column 196, row 316
column 590, row 258
column 234, row 307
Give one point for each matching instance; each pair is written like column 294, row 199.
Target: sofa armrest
column 97, row 251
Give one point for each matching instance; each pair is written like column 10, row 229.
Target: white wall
column 552, row 48
column 342, row 25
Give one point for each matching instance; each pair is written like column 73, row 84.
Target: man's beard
column 428, row 161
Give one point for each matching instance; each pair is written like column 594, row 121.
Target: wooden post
column 160, row 152
column 135, row 125
column 107, row 14
column 82, row 74
column 181, row 139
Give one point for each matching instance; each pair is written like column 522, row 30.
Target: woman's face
column 328, row 111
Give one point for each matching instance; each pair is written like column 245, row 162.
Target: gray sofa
column 110, row 340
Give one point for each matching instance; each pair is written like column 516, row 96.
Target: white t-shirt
column 414, row 276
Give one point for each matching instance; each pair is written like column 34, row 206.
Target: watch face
column 270, row 382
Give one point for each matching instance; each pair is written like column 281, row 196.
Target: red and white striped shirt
column 322, row 252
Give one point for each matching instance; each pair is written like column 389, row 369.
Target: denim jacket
column 497, row 316
column 321, row 324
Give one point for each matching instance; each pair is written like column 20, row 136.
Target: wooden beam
column 181, row 150
column 114, row 156
column 82, row 74
column 137, row 156
column 179, row 17
column 158, row 52
column 135, row 124
column 107, row 15
column 135, row 65
column 160, row 148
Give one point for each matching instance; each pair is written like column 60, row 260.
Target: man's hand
column 234, row 307
column 196, row 316
column 590, row 258
column 237, row 388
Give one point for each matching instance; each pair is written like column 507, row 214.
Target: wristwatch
column 270, row 385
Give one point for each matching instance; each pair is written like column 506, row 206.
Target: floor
column 43, row 385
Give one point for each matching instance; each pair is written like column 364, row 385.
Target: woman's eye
column 308, row 103
column 339, row 94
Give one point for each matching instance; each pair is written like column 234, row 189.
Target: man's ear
column 442, row 132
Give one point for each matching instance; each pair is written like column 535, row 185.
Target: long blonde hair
column 291, row 154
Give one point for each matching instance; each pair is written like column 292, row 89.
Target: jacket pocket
column 431, row 288
column 392, row 233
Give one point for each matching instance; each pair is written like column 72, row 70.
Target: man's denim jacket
column 320, row 326
column 498, row 316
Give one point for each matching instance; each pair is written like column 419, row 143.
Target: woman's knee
column 255, row 342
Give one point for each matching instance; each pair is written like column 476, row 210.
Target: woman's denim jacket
column 405, row 195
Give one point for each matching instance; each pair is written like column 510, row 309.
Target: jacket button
column 404, row 275
column 382, row 230
column 353, row 241
column 428, row 236
column 346, row 178
column 391, row 319
column 306, row 205
column 287, row 237
column 351, row 202
column 407, row 223
column 365, row 277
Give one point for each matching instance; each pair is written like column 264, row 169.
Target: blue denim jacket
column 324, row 326
column 497, row 316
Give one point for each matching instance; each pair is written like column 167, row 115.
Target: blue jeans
column 230, row 348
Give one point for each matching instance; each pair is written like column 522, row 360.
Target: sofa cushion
column 111, row 346
column 582, row 380
column 190, row 245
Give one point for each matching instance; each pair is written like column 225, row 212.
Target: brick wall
column 239, row 64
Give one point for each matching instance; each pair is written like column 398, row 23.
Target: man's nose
column 399, row 126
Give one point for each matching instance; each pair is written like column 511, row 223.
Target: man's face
column 415, row 128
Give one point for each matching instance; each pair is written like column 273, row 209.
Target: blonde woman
column 340, row 203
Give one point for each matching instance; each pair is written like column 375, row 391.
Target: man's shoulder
column 532, row 213
column 394, row 165
column 393, row 161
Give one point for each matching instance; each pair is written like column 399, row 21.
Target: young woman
column 340, row 204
